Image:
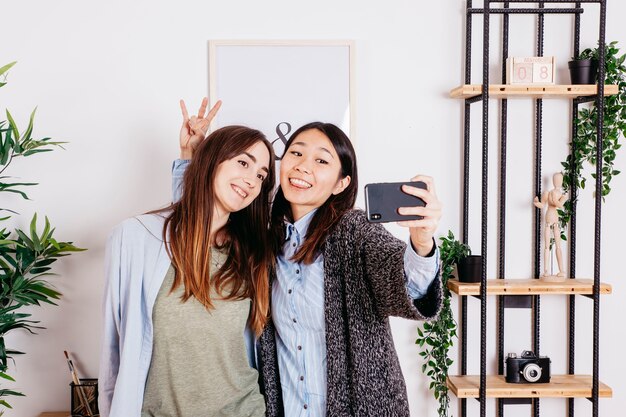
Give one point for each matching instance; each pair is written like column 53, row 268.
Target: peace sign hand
column 194, row 129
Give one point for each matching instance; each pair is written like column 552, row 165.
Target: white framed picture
column 278, row 86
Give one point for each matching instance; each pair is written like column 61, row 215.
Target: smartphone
column 382, row 201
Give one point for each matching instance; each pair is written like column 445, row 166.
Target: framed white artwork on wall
column 278, row 86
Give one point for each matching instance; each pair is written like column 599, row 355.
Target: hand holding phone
column 382, row 201
column 419, row 204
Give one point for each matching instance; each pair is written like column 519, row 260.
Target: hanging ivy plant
column 586, row 139
column 435, row 337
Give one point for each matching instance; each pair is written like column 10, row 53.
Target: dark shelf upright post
column 466, row 163
column 484, row 225
column 502, row 206
column 572, row 231
column 538, row 146
column 598, row 211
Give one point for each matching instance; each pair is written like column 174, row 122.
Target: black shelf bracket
column 518, row 301
column 516, row 401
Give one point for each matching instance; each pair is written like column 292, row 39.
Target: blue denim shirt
column 298, row 314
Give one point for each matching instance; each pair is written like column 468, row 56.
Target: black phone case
column 382, row 201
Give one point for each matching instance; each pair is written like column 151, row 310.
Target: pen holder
column 87, row 391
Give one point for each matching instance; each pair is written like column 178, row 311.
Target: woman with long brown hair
column 327, row 349
column 187, row 288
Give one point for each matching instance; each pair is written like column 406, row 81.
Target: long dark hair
column 245, row 274
column 329, row 213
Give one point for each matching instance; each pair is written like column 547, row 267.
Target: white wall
column 107, row 77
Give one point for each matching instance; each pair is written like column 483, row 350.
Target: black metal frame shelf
column 594, row 287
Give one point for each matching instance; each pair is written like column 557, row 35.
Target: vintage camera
column 527, row 368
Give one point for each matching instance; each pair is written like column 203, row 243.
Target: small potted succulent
column 584, row 68
column 469, row 267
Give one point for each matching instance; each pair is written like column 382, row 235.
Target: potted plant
column 435, row 337
column 469, row 267
column 585, row 142
column 583, row 69
column 26, row 256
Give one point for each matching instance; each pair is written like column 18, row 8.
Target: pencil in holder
column 84, row 397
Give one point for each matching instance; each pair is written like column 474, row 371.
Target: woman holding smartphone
column 328, row 348
column 187, row 289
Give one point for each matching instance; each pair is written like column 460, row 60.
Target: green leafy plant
column 436, row 337
column 13, row 145
column 25, row 256
column 585, row 142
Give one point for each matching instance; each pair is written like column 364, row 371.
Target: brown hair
column 329, row 213
column 245, row 273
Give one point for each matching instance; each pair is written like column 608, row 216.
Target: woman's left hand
column 422, row 231
column 194, row 129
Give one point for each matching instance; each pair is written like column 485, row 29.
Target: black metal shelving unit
column 508, row 10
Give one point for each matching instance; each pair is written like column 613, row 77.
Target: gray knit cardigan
column 364, row 284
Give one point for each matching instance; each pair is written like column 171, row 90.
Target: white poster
column 278, row 86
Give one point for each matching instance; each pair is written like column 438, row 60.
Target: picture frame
column 277, row 86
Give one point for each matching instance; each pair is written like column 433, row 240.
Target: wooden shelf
column 55, row 414
column 528, row 287
column 535, row 91
column 569, row 386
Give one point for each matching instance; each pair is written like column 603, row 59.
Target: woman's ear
column 342, row 184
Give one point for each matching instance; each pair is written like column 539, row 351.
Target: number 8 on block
column 530, row 70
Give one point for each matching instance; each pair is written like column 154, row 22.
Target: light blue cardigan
column 136, row 264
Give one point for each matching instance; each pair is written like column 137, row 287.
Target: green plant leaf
column 7, row 67
column 5, row 376
column 33, row 234
column 29, row 129
column 5, row 149
column 6, row 392
column 34, row 151
column 13, row 125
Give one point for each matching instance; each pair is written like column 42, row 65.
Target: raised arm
column 192, row 133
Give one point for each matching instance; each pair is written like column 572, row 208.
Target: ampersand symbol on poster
column 281, row 139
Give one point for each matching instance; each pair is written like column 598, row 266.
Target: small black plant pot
column 583, row 71
column 470, row 268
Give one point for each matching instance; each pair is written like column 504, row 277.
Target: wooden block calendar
column 530, row 70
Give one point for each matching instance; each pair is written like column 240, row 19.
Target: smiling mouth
column 296, row 182
column 239, row 191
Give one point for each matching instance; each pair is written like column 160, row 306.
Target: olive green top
column 199, row 365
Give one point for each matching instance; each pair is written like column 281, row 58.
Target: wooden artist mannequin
column 554, row 200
